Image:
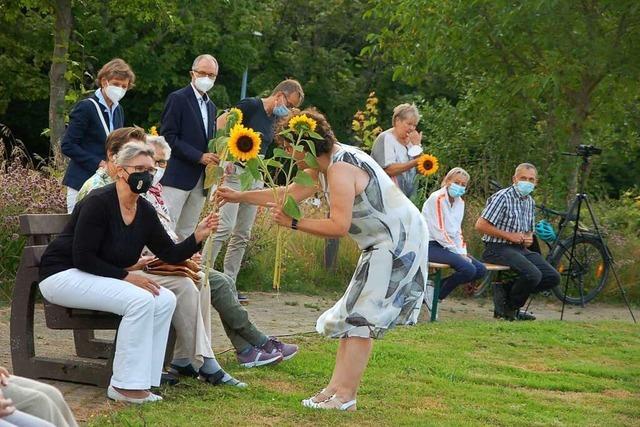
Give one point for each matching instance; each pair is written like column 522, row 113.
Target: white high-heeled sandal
column 336, row 404
column 310, row 403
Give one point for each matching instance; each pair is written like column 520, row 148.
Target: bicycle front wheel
column 587, row 273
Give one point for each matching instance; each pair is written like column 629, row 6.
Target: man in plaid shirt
column 507, row 224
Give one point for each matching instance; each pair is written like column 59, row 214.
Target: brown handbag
column 188, row 268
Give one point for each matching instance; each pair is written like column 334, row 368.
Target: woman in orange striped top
column 444, row 211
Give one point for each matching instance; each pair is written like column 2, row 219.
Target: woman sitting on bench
column 87, row 267
column 444, row 211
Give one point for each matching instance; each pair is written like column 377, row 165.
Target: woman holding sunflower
column 387, row 287
column 259, row 116
column 444, row 211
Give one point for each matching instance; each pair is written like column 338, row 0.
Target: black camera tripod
column 573, row 214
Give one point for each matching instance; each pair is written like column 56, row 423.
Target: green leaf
column 298, row 147
column 310, row 160
column 221, row 143
column 312, row 134
column 273, row 163
column 253, row 166
column 246, row 180
column 303, row 178
column 291, row 208
column 312, row 146
column 212, row 175
column 279, row 152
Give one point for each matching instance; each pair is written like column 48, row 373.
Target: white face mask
column 158, row 176
column 114, row 93
column 203, row 84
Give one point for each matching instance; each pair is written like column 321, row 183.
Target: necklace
column 130, row 209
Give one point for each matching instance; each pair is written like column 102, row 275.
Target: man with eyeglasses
column 236, row 219
column 188, row 123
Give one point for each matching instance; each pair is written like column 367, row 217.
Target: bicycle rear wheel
column 589, row 269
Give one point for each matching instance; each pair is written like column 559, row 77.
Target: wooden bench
column 39, row 230
column 436, row 268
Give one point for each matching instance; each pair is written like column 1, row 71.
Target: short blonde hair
column 116, row 68
column 453, row 173
column 131, row 150
column 404, row 111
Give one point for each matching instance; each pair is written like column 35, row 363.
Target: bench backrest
column 40, row 229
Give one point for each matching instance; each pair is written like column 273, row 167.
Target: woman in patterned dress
column 388, row 284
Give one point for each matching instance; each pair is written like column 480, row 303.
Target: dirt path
column 282, row 314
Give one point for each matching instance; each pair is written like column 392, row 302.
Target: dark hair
column 323, row 128
column 119, row 137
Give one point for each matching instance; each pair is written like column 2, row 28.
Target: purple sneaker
column 258, row 356
column 287, row 350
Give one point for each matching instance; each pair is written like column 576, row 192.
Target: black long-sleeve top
column 96, row 239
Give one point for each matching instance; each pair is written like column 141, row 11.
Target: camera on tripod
column 588, row 150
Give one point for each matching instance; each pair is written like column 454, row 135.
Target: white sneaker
column 428, row 294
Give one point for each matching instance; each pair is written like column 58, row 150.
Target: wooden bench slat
column 37, row 224
column 489, row 266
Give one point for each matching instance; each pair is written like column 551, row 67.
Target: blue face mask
column 525, row 188
column 280, row 111
column 456, row 190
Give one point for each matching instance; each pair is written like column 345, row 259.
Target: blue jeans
column 465, row 271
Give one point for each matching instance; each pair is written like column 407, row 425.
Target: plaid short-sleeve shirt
column 509, row 211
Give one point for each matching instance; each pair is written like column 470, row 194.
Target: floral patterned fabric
column 388, row 285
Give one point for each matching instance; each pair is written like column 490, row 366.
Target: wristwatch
column 294, row 223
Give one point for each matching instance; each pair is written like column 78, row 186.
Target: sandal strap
column 215, row 378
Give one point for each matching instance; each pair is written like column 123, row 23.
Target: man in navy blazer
column 188, row 123
column 90, row 121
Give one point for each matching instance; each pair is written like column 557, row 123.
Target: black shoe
column 183, row 371
column 168, row 378
column 525, row 315
column 510, row 314
column 217, row 379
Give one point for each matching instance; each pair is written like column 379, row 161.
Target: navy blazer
column 84, row 140
column 183, row 128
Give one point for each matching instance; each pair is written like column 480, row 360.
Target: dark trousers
column 534, row 273
column 465, row 271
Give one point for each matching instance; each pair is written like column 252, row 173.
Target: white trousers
column 72, row 196
column 185, row 207
column 143, row 331
column 236, row 222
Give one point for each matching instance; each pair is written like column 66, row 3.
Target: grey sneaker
column 287, row 350
column 258, row 357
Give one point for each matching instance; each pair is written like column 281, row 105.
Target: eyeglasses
column 140, row 168
column 162, row 163
column 212, row 76
column 288, row 103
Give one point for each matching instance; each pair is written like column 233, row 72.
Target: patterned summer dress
column 388, row 285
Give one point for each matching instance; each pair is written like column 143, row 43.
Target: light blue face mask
column 525, row 188
column 280, row 111
column 456, row 190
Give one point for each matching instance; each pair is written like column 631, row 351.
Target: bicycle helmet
column 545, row 231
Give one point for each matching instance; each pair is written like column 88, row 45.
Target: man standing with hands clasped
column 507, row 223
column 188, row 123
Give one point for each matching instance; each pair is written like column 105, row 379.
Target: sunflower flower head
column 235, row 116
column 302, row 123
column 427, row 164
column 153, row 131
column 244, row 143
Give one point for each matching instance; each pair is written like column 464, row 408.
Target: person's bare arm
column 342, row 185
column 485, row 227
column 395, row 169
column 221, row 121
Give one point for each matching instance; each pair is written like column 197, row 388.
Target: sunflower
column 427, row 164
column 238, row 115
column 301, row 123
column 244, row 143
column 153, row 131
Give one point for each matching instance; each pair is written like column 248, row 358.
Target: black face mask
column 140, row 182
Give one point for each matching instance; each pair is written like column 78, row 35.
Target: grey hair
column 200, row 58
column 452, row 173
column 289, row 87
column 131, row 150
column 159, row 142
column 404, row 111
column 525, row 166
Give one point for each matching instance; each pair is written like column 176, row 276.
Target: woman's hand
column 415, row 137
column 207, row 226
column 6, row 406
column 143, row 282
column 197, row 258
column 4, row 376
column 278, row 216
column 227, row 195
column 142, row 263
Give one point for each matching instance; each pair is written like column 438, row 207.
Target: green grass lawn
column 451, row 373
